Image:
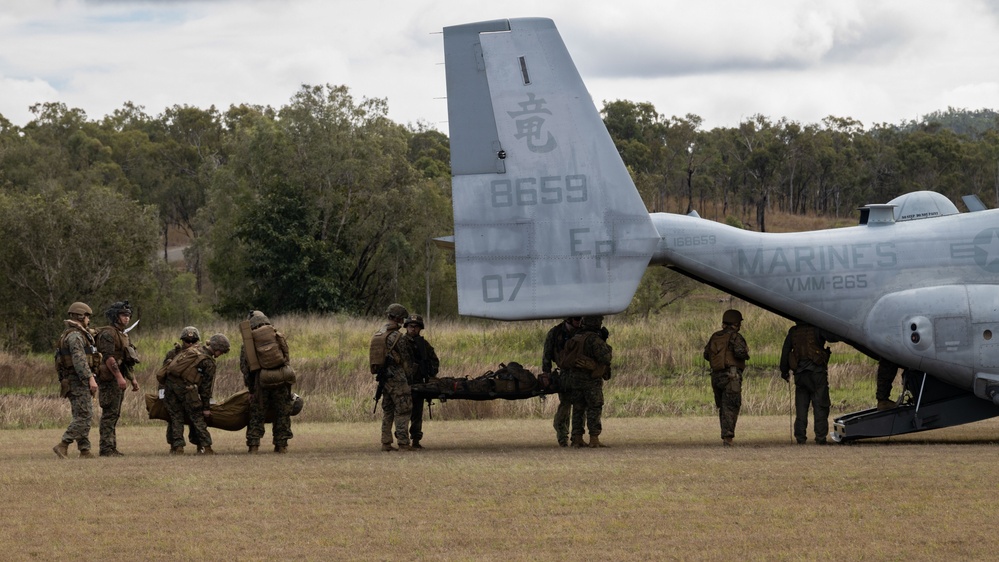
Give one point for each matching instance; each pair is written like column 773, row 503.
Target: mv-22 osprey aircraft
column 549, row 224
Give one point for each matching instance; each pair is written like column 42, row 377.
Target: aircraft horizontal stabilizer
column 547, row 220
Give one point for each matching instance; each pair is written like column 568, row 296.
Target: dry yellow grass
column 658, row 368
column 501, row 490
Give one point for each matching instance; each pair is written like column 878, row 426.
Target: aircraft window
column 987, row 335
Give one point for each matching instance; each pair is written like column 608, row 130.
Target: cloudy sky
column 878, row 61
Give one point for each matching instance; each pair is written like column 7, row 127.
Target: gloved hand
column 586, row 363
column 785, row 376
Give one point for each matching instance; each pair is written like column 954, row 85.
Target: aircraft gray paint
column 548, row 224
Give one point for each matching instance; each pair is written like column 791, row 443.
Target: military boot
column 112, row 453
column 727, row 441
column 253, row 449
column 281, row 449
column 416, row 444
column 577, row 442
column 176, row 450
column 388, row 447
column 595, row 442
column 406, row 447
column 62, row 449
column 206, row 450
column 86, row 454
column 886, row 405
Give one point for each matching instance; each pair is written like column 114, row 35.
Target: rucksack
column 183, row 365
column 514, row 378
column 265, row 342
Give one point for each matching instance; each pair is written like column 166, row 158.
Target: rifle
column 380, row 378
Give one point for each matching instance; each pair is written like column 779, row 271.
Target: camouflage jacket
column 111, row 342
column 554, row 344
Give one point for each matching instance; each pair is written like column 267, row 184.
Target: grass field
column 658, row 368
column 500, row 489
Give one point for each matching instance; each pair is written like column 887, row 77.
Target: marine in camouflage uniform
column 805, row 354
column 114, row 374
column 190, row 395
column 425, row 365
column 727, row 352
column 189, row 336
column 76, row 358
column 397, row 396
column 276, row 398
column 554, row 344
column 586, row 381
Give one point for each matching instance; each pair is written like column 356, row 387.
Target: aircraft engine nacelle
column 938, row 340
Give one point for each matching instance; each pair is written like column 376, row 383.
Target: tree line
column 325, row 205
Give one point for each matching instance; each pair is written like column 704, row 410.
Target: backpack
column 182, row 366
column 513, row 378
column 267, row 346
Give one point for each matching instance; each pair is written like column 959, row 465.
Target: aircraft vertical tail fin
column 547, row 220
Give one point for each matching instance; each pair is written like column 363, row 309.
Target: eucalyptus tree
column 320, row 207
column 761, row 152
column 92, row 244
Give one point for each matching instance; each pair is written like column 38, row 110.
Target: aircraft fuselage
column 920, row 293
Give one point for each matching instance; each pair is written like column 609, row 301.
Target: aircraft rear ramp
column 930, row 404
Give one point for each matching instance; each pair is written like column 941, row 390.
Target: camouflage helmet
column 414, row 319
column 397, row 311
column 592, row 321
column 79, row 308
column 732, row 316
column 257, row 319
column 190, row 334
column 219, row 343
column 296, row 404
column 120, row 307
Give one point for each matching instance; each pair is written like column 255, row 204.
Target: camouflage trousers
column 278, row 400
column 587, row 405
column 110, row 398
column 192, row 435
column 562, row 416
column 811, row 388
column 81, row 404
column 728, row 399
column 182, row 400
column 397, row 408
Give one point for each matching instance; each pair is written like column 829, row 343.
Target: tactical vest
column 805, row 346
column 64, row 357
column 269, row 352
column 381, row 347
column 120, row 343
column 719, row 351
column 185, row 365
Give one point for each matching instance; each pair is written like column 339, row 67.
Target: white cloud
column 725, row 60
